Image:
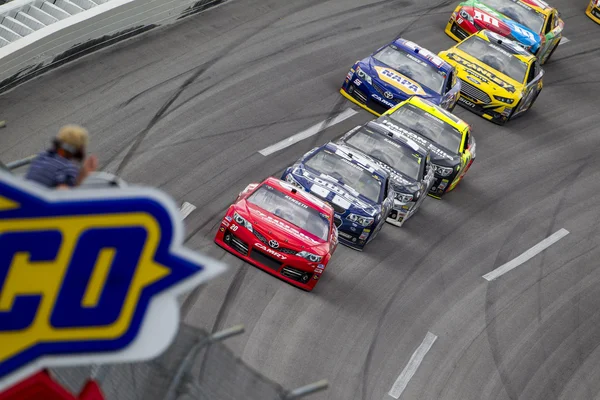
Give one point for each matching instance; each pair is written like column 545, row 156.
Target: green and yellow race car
column 448, row 138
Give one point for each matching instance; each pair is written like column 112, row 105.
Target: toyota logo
column 273, row 243
column 388, row 95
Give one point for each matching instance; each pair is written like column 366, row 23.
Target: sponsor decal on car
column 270, row 251
column 416, row 138
column 477, row 68
column 382, row 100
column 401, row 82
column 466, row 102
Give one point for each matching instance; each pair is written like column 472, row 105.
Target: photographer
column 64, row 165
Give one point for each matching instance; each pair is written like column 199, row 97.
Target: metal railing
column 174, row 375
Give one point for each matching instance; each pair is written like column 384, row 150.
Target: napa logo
column 89, row 276
column 399, row 81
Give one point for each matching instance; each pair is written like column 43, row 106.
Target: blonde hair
column 73, row 135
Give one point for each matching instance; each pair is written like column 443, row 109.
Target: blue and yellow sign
column 89, row 276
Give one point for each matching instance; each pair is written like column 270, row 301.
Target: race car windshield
column 291, row 210
column 410, row 66
column 433, row 128
column 385, row 150
column 344, row 171
column 523, row 15
column 495, row 57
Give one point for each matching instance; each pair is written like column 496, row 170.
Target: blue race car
column 359, row 191
column 397, row 71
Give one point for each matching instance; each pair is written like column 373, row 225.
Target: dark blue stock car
column 359, row 191
column 397, row 71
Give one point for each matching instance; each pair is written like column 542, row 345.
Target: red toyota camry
column 284, row 231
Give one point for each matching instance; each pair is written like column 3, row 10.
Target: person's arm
column 89, row 165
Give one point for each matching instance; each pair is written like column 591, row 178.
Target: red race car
column 284, row 231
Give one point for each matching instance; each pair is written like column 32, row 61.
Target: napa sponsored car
column 397, row 71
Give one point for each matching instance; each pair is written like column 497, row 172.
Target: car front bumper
column 242, row 245
column 593, row 13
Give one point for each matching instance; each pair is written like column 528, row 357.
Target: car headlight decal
column 363, row 221
column 242, row 221
column 504, row 99
column 309, row 256
column 403, row 197
column 290, row 179
column 362, row 75
column 442, row 171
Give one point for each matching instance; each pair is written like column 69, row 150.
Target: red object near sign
column 41, row 386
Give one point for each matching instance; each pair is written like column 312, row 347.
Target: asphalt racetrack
column 188, row 108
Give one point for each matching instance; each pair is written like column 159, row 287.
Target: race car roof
column 398, row 137
column 298, row 195
column 357, row 158
column 423, row 54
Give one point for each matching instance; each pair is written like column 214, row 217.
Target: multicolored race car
column 500, row 79
column 593, row 10
column 397, row 71
column 282, row 230
column 404, row 159
column 533, row 24
column 359, row 190
column 449, row 139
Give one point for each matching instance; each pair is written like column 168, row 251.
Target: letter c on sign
column 41, row 247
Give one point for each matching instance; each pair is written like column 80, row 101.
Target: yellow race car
column 448, row 138
column 593, row 10
column 499, row 79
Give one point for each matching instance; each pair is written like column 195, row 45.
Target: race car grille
column 458, row 32
column 235, row 243
column 474, row 92
column 296, row 274
column 358, row 94
column 265, row 260
column 596, row 12
column 260, row 237
column 379, row 88
column 287, row 251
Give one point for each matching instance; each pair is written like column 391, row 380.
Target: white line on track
column 529, row 254
column 186, row 209
column 564, row 40
column 413, row 364
column 313, row 130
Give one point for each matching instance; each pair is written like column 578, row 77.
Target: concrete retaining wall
column 88, row 31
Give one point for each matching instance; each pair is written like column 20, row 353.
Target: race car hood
column 334, row 192
column 479, row 74
column 401, row 86
column 288, row 235
column 438, row 154
column 493, row 20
